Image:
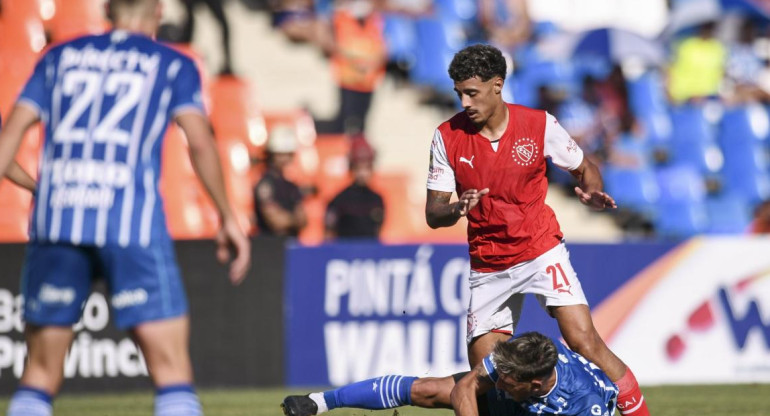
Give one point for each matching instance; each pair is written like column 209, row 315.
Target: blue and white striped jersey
column 581, row 389
column 106, row 102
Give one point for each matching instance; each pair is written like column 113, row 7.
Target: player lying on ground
column 530, row 374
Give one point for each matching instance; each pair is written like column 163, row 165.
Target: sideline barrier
column 236, row 332
column 696, row 313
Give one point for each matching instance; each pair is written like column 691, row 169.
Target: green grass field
column 733, row 400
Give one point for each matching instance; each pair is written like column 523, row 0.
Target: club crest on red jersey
column 525, row 151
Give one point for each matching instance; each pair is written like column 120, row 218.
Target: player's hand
column 597, row 200
column 470, row 199
column 231, row 237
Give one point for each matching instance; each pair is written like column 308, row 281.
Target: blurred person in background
column 506, row 23
column 299, row 22
column 493, row 154
column 698, row 67
column 277, row 200
column 105, row 101
column 745, row 68
column 358, row 58
column 219, row 14
column 357, row 211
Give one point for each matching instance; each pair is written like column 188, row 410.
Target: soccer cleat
column 299, row 406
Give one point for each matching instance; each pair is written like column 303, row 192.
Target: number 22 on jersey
column 87, row 90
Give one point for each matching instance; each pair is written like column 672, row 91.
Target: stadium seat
column 744, row 124
column 401, row 39
column 691, row 126
column 680, row 183
column 437, row 42
column 463, row 11
column 681, row 219
column 634, row 189
column 728, row 214
column 706, row 157
column 646, row 94
column 74, row 18
column 236, row 167
column 236, row 114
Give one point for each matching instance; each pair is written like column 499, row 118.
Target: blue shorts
column 143, row 284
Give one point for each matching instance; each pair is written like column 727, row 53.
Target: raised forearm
column 439, row 212
column 20, row 177
column 588, row 176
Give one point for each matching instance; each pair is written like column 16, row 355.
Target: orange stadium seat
column 235, row 167
column 234, row 111
column 73, row 18
column 14, row 212
column 189, row 213
column 22, row 38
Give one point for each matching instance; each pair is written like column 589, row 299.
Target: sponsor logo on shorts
column 52, row 294
column 128, row 298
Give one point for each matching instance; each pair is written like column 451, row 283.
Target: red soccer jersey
column 512, row 223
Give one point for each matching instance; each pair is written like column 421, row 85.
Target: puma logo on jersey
column 470, row 162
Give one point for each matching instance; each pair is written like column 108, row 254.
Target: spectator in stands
column 358, row 62
column 744, row 68
column 278, row 201
column 698, row 67
column 506, row 23
column 761, row 222
column 219, row 14
column 298, row 21
column 357, row 211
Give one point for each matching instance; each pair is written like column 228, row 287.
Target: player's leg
column 55, row 283
column 579, row 332
column 559, row 290
column 493, row 312
column 378, row 393
column 148, row 299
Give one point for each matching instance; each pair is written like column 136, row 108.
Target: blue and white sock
column 29, row 401
column 377, row 393
column 177, row 400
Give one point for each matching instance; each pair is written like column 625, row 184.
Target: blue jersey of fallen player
column 106, row 101
column 581, row 389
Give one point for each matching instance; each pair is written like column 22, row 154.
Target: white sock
column 319, row 400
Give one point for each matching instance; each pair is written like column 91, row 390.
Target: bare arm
column 281, row 221
column 21, row 119
column 463, row 397
column 20, row 177
column 590, row 186
column 205, row 160
column 439, row 212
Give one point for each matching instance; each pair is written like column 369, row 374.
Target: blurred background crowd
column 324, row 109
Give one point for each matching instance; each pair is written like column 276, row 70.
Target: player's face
column 518, row 390
column 479, row 98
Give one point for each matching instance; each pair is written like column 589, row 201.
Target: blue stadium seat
column 437, row 43
column 753, row 186
column 728, row 214
column 744, row 124
column 681, row 219
column 401, row 38
column 690, row 125
column 457, row 10
column 636, row 189
column 680, row 183
column 706, row 157
column 646, row 94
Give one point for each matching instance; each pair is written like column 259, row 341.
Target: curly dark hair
column 529, row 356
column 483, row 61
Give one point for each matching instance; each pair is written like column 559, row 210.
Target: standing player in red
column 493, row 155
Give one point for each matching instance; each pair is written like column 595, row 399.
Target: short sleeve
column 186, row 94
column 35, row 94
column 441, row 177
column 560, row 147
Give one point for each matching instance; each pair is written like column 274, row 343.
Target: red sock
column 630, row 399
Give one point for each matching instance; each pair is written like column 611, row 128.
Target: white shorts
column 497, row 297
